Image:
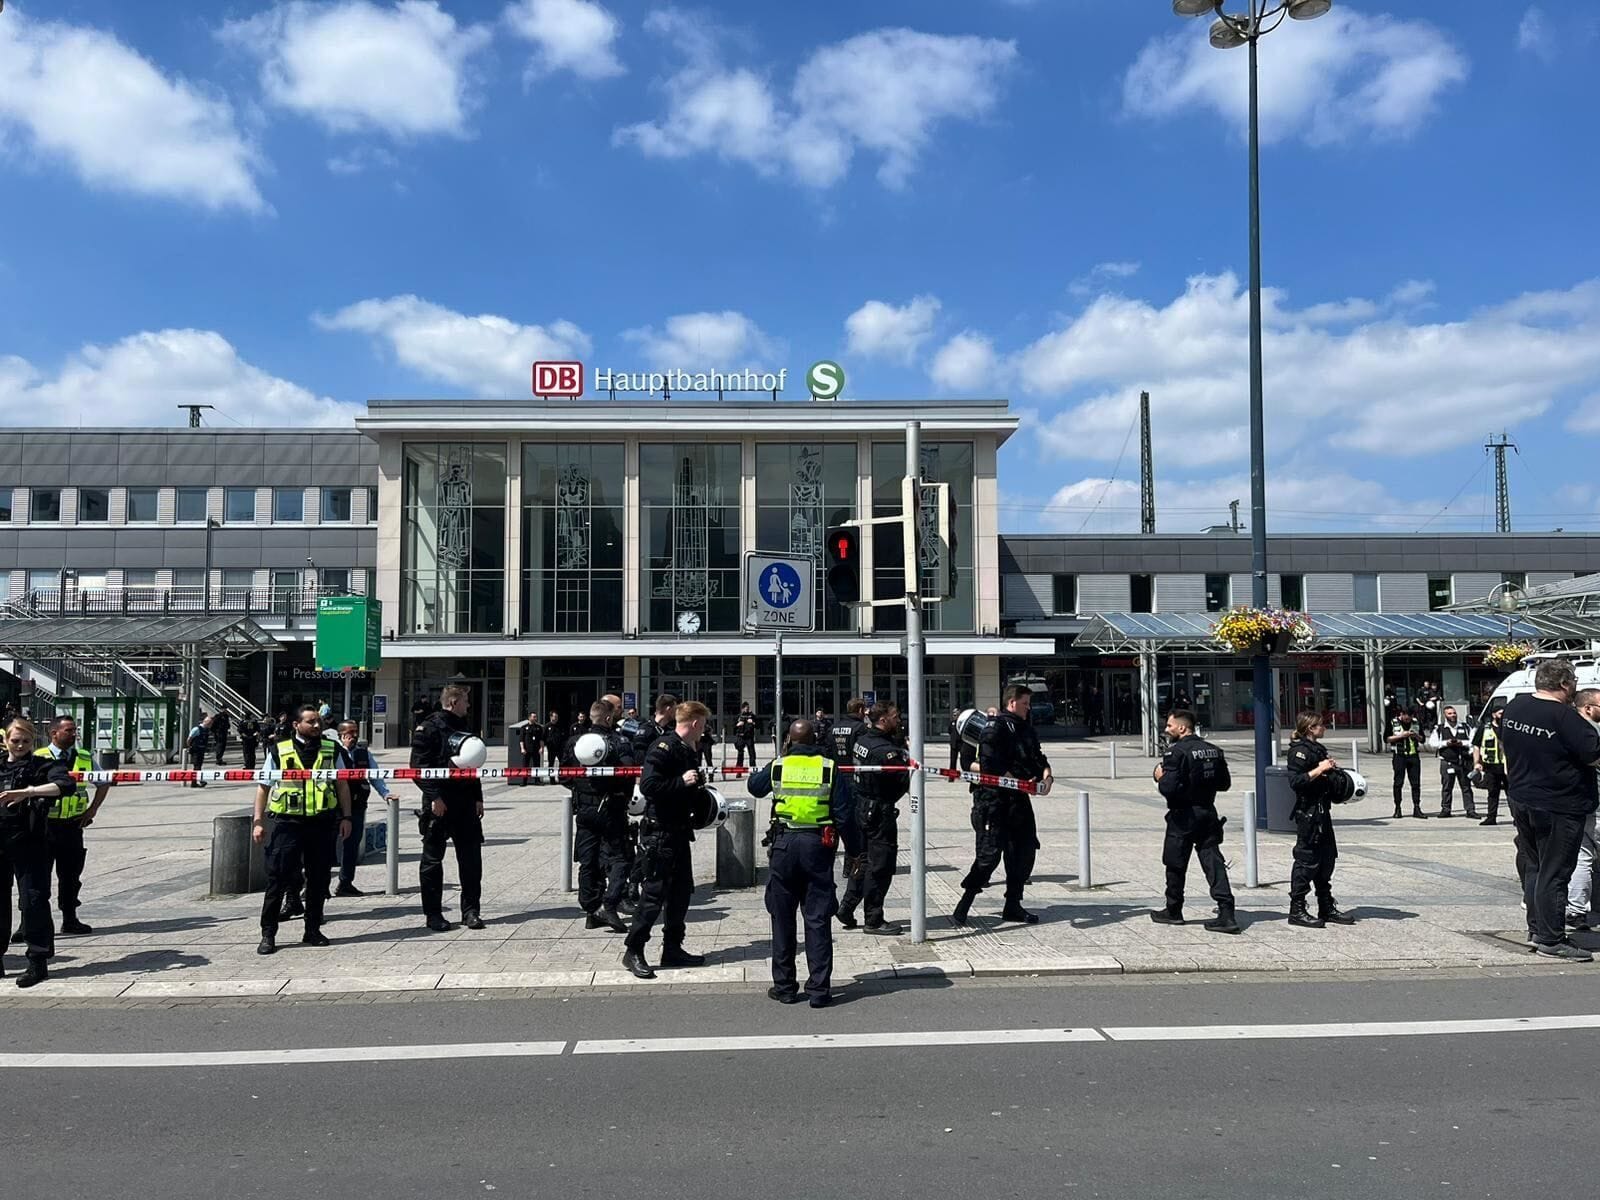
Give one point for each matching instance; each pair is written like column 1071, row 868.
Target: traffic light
column 844, row 564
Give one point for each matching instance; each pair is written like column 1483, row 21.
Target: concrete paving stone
column 150, row 989
column 516, row 979
column 1090, row 964
column 80, row 989
column 952, row 968
column 362, row 983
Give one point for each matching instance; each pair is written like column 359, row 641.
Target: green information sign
column 349, row 633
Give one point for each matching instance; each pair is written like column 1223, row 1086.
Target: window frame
column 1147, row 581
column 228, row 494
column 1299, row 587
column 1435, row 604
column 154, row 494
column 83, row 494
column 326, row 494
column 178, row 495
column 33, row 506
column 1071, row 584
column 1224, row 600
column 284, row 493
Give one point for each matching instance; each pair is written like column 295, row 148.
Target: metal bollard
column 1085, row 865
column 1355, row 755
column 1113, row 760
column 1252, row 870
column 391, row 851
column 566, row 843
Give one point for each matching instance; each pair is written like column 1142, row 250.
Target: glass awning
column 217, row 635
column 1350, row 632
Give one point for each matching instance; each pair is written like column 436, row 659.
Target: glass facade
column 942, row 462
column 808, row 684
column 689, row 537
column 572, row 538
column 947, row 687
column 800, row 492
column 453, row 538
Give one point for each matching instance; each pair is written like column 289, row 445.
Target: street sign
column 630, row 700
column 825, row 380
column 349, row 633
column 778, row 592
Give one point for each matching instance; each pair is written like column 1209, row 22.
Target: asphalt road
column 1457, row 1114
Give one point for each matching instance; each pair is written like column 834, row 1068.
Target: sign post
column 915, row 699
column 779, row 596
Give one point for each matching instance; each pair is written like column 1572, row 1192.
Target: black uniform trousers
column 1548, row 843
column 1408, row 766
column 350, row 847
column 1494, row 782
column 741, row 748
column 1315, row 852
column 1451, row 772
column 221, row 740
column 600, row 848
column 666, row 867
column 801, row 880
column 1007, row 831
column 197, row 761
column 299, row 849
column 461, row 826
column 1195, row 830
column 247, row 747
column 67, row 850
column 879, row 858
column 25, row 857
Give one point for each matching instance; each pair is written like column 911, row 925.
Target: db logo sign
column 558, row 379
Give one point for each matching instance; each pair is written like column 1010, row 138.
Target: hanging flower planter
column 1252, row 631
column 1507, row 656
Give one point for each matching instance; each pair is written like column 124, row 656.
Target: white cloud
column 883, row 92
column 1411, row 293
column 1345, row 75
column 880, row 330
column 707, row 341
column 363, row 158
column 485, row 354
column 82, row 97
column 142, row 379
column 1586, row 416
column 1098, row 274
column 966, row 363
column 356, row 66
column 570, row 35
column 1533, row 34
column 1392, row 387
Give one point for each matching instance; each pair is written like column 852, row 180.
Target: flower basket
column 1253, row 631
column 1507, row 656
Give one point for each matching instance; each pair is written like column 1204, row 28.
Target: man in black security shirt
column 1455, row 763
column 452, row 811
column 1001, row 817
column 672, row 783
column 1191, row 774
column 1550, row 753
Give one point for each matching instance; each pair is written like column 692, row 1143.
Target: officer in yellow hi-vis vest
column 804, row 840
column 1405, row 742
column 308, row 816
column 1488, row 758
column 69, row 816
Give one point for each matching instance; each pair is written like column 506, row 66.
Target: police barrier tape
column 533, row 774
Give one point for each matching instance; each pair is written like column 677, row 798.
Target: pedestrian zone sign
column 778, row 592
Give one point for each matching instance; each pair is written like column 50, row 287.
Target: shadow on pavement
column 167, row 925
column 141, row 961
column 1361, row 913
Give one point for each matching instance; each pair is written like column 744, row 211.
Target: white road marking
column 290, row 1057
column 1347, row 1029
column 840, row 1041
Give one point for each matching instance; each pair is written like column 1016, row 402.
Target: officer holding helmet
column 877, row 795
column 600, row 818
column 452, row 809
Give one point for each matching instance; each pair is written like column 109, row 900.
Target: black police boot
column 36, row 973
column 1299, row 916
column 963, row 907
column 785, row 996
column 348, row 889
column 1397, row 811
column 292, row 907
column 1167, row 916
column 269, row 944
column 471, row 919
column 886, row 929
column 677, row 956
column 626, row 907
column 633, row 962
column 1015, row 912
column 612, row 921
column 71, row 925
column 593, row 921
column 1224, row 922
column 315, row 937
column 847, row 918
column 1330, row 914
column 1488, row 821
column 1418, row 813
column 439, row 925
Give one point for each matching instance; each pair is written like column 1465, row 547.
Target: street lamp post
column 211, row 525
column 1509, row 602
column 1230, row 31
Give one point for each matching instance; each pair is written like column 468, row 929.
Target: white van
column 1520, row 681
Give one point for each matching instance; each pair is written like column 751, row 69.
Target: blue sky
column 284, row 209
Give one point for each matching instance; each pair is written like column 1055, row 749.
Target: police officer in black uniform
column 1455, row 763
column 744, row 735
column 1490, row 760
column 600, row 822
column 660, row 724
column 672, row 783
column 1318, row 784
column 29, row 785
column 839, row 740
column 452, row 811
column 1191, row 774
column 1405, row 743
column 532, row 737
column 1003, row 818
column 877, row 793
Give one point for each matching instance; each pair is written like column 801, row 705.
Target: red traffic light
column 844, row 575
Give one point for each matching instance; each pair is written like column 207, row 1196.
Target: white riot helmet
column 709, row 809
column 636, row 803
column 971, row 725
column 590, row 750
column 467, row 751
column 1359, row 782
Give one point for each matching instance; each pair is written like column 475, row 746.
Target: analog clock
column 689, row 622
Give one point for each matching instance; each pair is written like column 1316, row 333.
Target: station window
column 5, row 504
column 335, row 506
column 190, row 507
column 239, row 505
column 1218, row 592
column 1439, row 592
column 46, row 505
column 1063, row 593
column 288, row 505
column 142, row 504
column 94, row 505
column 1292, row 589
column 1141, row 593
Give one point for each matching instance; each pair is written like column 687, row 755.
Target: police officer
column 199, row 739
column 839, row 739
column 744, row 735
column 28, row 786
column 803, row 840
column 452, row 811
column 555, row 736
column 1001, row 817
column 1311, row 771
column 70, row 815
column 600, row 820
column 1190, row 775
column 1406, row 746
column 357, row 757
column 1455, row 761
column 532, row 738
column 247, row 742
column 307, row 816
column 1490, row 761
column 221, row 728
column 672, row 783
column 876, row 795
column 660, row 724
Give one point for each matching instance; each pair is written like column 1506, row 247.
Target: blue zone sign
column 778, row 592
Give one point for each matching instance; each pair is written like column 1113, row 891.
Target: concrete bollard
column 1085, row 863
column 391, row 850
column 1113, row 760
column 736, row 864
column 1252, row 870
column 237, row 865
column 1355, row 755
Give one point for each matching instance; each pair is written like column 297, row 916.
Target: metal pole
column 207, row 606
column 344, row 713
column 914, row 703
column 1260, row 666
column 1355, row 755
column 1113, row 759
column 1085, row 863
column 777, row 698
column 391, row 851
column 566, row 841
column 1252, row 871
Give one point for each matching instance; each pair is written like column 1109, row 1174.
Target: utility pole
column 1502, row 489
column 1147, row 469
column 194, row 409
column 914, row 693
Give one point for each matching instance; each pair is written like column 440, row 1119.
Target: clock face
column 689, row 622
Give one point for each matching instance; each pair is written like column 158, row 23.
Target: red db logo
column 558, row 379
